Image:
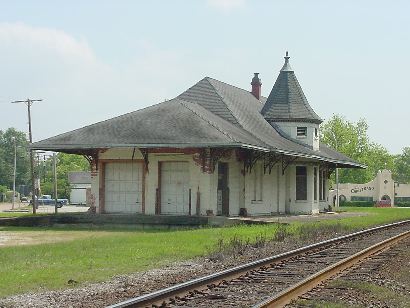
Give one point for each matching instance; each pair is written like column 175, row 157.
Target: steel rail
column 286, row 296
column 202, row 282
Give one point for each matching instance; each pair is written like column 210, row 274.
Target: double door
column 123, row 187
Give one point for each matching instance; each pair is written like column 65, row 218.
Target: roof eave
column 85, row 147
column 316, row 121
column 62, row 147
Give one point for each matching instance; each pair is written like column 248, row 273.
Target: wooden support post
column 190, row 205
column 157, row 202
column 198, row 202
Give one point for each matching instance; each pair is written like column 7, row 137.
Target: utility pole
column 14, row 172
column 55, row 180
column 28, row 103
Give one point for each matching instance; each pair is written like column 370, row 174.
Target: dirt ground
column 5, row 206
column 10, row 238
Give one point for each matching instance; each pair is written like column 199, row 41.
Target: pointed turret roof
column 286, row 101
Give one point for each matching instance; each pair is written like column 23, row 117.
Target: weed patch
column 318, row 230
column 383, row 294
column 321, row 304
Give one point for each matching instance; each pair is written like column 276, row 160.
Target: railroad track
column 275, row 281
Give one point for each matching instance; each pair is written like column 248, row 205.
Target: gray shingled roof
column 171, row 123
column 286, row 101
column 209, row 114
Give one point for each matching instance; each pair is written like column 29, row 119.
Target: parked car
column 24, row 200
column 47, row 200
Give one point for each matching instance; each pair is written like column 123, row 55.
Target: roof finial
column 286, row 67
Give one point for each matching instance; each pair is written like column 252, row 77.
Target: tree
column 65, row 164
column 7, row 158
column 43, row 168
column 352, row 140
column 402, row 167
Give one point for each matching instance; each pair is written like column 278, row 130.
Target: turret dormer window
column 301, row 132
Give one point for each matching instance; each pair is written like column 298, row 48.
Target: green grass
column 99, row 254
column 14, row 214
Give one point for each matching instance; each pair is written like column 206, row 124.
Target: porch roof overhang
column 85, row 149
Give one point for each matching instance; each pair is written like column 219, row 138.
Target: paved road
column 44, row 208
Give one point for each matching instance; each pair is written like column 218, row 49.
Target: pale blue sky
column 92, row 60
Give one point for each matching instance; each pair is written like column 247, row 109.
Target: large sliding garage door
column 123, row 187
column 175, row 188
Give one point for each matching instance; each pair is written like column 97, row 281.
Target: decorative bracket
column 216, row 155
column 270, row 160
column 330, row 170
column 209, row 157
column 144, row 153
column 251, row 159
column 92, row 158
column 286, row 161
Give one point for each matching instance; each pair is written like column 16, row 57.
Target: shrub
column 403, row 204
column 358, row 203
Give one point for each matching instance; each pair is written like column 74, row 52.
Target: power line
column 29, row 102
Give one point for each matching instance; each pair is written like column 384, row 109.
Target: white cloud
column 78, row 88
column 53, row 65
column 227, row 5
column 44, row 38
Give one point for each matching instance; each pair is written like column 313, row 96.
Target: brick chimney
column 256, row 86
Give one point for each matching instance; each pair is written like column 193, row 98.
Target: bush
column 358, row 203
column 403, row 204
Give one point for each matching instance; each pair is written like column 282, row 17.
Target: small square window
column 301, row 132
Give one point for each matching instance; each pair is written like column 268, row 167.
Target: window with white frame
column 301, row 183
column 322, row 185
column 301, row 132
column 257, row 182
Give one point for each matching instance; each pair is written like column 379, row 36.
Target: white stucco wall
column 308, row 206
column 310, row 139
column 402, row 190
column 380, row 186
column 273, row 192
column 94, row 198
column 278, row 190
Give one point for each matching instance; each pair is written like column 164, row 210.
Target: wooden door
column 175, row 188
column 223, row 190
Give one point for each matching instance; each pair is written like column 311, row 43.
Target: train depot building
column 215, row 149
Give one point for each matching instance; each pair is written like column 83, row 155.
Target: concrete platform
column 139, row 221
column 292, row 218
